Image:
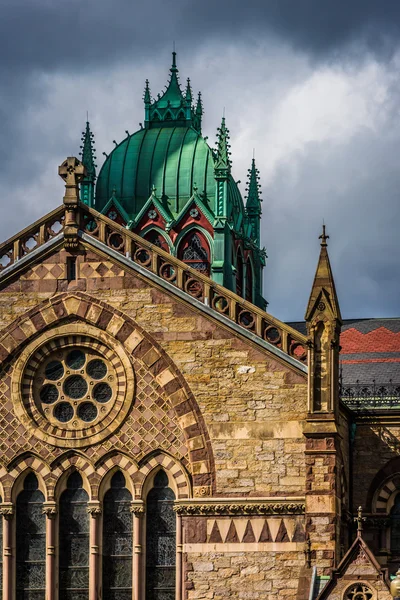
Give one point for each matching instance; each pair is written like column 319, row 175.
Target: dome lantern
column 172, row 108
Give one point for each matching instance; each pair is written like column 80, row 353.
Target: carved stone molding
column 94, row 510
column 7, row 511
column 50, row 510
column 137, row 509
column 240, row 508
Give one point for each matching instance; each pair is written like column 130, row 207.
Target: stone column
column 7, row 511
column 137, row 509
column 50, row 510
column 179, row 546
column 94, row 511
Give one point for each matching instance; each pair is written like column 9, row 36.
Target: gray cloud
column 46, row 36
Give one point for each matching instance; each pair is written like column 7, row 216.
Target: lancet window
column 194, row 251
column 239, row 273
column 74, row 541
column 30, row 542
column 156, row 238
column 117, row 541
column 160, row 541
column 249, row 281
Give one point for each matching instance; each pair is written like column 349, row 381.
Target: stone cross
column 72, row 171
column 359, row 519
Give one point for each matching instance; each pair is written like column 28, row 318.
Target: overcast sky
column 312, row 85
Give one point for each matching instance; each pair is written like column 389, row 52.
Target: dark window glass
column 239, row 274
column 75, row 387
column 117, row 541
column 97, row 369
column 87, row 411
column 395, row 527
column 63, row 412
column 74, row 541
column 195, row 254
column 54, row 370
column 249, row 282
column 102, row 392
column 160, row 541
column 49, row 393
column 75, row 359
column 30, row 542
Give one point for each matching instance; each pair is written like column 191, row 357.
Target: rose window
column 75, row 384
column 359, row 591
column 75, row 387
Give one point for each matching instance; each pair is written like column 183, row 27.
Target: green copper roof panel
column 129, row 170
column 171, row 158
column 186, row 164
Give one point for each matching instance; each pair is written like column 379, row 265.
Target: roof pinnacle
column 253, row 189
column 87, row 152
column 323, row 237
column 223, row 162
column 147, row 95
column 188, row 91
column 199, row 105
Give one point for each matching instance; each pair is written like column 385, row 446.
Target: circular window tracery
column 73, row 386
column 358, row 591
column 81, row 382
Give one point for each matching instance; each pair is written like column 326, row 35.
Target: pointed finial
column 153, row 190
column 174, row 67
column 199, row 105
column 114, row 192
column 323, row 237
column 147, row 95
column 188, row 91
column 359, row 519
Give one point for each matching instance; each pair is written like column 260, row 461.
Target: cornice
column 236, row 507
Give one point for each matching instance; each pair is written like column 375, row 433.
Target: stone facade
column 240, row 411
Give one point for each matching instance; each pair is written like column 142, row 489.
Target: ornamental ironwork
column 366, row 396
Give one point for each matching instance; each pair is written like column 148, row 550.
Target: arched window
column 249, row 281
column 117, row 541
column 239, row 273
column 154, row 237
column 194, row 251
column 30, row 541
column 74, row 541
column 395, row 527
column 160, row 541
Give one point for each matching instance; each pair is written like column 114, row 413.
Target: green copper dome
column 173, row 159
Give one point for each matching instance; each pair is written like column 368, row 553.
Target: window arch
column 74, row 541
column 30, row 541
column 117, row 540
column 160, row 541
column 155, row 237
column 194, row 251
column 239, row 272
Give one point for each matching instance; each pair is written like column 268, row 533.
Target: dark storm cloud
column 79, row 34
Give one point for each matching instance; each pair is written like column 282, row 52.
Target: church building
column 162, row 436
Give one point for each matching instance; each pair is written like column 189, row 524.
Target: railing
column 169, row 268
column 31, row 238
column 360, row 396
